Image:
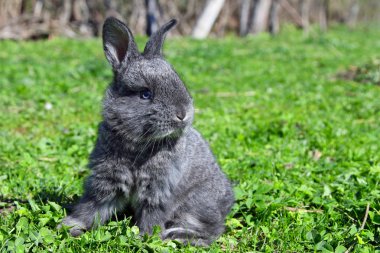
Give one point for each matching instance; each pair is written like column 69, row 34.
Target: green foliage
column 369, row 73
column 301, row 146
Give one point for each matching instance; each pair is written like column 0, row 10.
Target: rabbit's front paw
column 76, row 226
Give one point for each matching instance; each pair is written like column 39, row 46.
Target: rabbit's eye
column 146, row 94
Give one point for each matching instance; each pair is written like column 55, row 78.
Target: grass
column 301, row 146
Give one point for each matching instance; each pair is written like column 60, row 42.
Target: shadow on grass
column 58, row 196
column 8, row 204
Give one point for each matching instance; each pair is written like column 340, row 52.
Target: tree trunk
column 80, row 11
column 10, row 10
column 222, row 21
column 353, row 13
column 137, row 19
column 323, row 14
column 38, row 8
column 304, row 6
column 112, row 9
column 260, row 16
column 207, row 18
column 152, row 16
column 66, row 12
column 244, row 16
column 274, row 23
column 293, row 13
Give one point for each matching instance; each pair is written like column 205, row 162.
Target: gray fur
column 148, row 158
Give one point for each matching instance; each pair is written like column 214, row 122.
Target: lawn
column 301, row 146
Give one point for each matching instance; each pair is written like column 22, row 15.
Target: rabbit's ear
column 154, row 45
column 118, row 42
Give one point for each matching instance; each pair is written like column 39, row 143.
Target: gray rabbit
column 148, row 159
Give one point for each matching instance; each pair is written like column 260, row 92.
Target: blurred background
column 38, row 19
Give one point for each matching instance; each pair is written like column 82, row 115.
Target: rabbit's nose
column 181, row 114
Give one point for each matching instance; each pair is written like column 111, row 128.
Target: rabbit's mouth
column 168, row 134
column 165, row 129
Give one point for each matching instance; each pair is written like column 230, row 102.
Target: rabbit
column 148, row 159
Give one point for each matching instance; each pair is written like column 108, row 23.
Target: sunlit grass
column 301, row 146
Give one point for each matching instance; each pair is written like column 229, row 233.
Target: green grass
column 286, row 131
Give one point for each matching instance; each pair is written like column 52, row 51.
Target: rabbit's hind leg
column 192, row 229
column 186, row 236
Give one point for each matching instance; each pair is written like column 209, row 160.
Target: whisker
column 154, row 143
column 142, row 148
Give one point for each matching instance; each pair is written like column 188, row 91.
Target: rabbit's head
column 147, row 99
